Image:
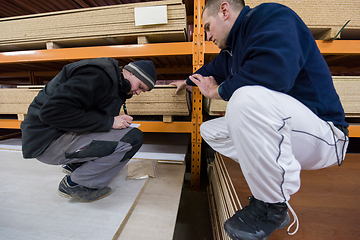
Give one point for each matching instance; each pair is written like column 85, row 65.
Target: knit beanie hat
column 143, row 70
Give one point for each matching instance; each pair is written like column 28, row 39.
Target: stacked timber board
column 347, row 87
column 161, row 100
column 223, row 198
column 91, row 26
column 332, row 214
column 324, row 17
column 215, row 107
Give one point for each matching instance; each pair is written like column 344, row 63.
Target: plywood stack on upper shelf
column 91, row 26
column 347, row 87
column 161, row 100
column 325, row 18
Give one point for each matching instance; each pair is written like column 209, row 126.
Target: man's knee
column 135, row 138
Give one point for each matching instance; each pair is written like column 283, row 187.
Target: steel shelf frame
column 197, row 49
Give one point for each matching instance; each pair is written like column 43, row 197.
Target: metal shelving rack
column 197, row 49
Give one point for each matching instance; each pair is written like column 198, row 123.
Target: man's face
column 137, row 86
column 216, row 29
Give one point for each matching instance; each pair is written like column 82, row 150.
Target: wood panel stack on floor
column 30, row 207
column 327, row 203
column 224, row 201
column 91, row 26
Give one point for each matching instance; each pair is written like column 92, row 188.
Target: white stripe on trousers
column 273, row 136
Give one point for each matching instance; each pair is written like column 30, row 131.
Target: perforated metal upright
column 197, row 118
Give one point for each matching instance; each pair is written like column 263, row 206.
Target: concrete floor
column 193, row 220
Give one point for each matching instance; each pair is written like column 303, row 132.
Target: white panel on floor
column 31, row 209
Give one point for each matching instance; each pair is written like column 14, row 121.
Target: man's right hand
column 179, row 84
column 122, row 121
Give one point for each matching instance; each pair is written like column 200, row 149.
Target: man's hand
column 207, row 85
column 122, row 121
column 179, row 84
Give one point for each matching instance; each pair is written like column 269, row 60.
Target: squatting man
column 74, row 121
column 283, row 112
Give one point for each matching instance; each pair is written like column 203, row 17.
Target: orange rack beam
column 335, row 47
column 174, row 127
column 115, row 51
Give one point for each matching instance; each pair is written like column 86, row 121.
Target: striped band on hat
column 141, row 74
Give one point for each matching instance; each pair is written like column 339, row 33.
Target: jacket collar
column 234, row 32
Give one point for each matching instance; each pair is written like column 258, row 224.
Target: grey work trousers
column 103, row 154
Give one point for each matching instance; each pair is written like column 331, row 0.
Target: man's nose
column 208, row 36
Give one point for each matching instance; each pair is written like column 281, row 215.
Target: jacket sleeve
column 275, row 46
column 73, row 107
column 214, row 68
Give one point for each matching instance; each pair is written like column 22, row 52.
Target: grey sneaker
column 81, row 193
column 257, row 220
column 69, row 168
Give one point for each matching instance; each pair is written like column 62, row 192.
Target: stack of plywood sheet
column 223, row 198
column 347, row 87
column 128, row 211
column 215, row 107
column 324, row 17
column 161, row 100
column 92, row 26
column 17, row 100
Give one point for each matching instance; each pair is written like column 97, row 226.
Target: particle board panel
column 31, row 208
column 215, row 107
column 332, row 214
column 161, row 100
column 109, row 23
column 323, row 15
column 347, row 87
column 155, row 211
column 224, row 201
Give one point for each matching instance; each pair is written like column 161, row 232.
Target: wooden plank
column 156, row 207
column 160, row 101
column 332, row 214
column 328, row 15
column 91, row 23
column 347, row 87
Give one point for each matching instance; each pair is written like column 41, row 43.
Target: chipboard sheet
column 30, row 207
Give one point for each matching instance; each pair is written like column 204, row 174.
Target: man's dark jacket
column 271, row 46
column 84, row 97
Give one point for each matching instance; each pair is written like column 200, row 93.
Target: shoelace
column 295, row 220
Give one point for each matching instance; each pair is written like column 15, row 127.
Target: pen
column 125, row 110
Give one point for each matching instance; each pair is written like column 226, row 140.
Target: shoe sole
column 232, row 235
column 65, row 195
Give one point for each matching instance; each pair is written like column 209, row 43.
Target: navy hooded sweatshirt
column 271, row 46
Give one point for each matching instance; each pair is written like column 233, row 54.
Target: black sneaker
column 257, row 220
column 84, row 194
column 69, row 168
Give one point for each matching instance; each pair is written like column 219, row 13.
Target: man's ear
column 224, row 10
